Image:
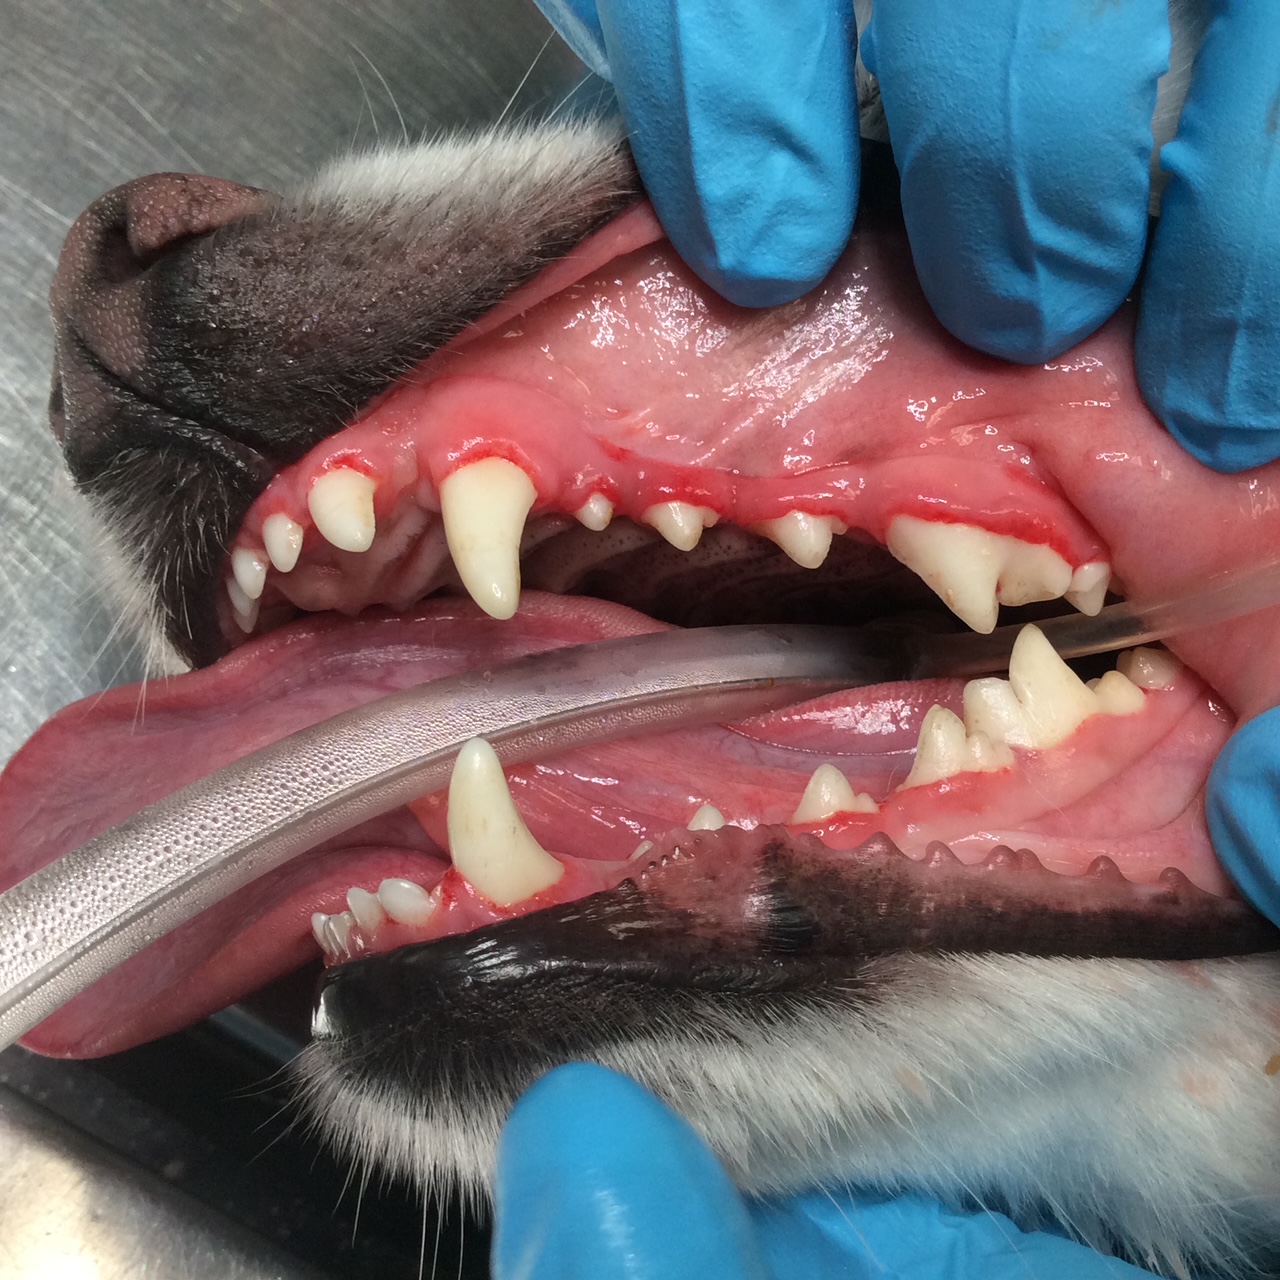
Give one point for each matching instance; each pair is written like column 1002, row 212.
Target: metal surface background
column 93, row 94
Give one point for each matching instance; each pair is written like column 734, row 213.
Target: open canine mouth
column 595, row 449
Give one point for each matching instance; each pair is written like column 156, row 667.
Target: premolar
column 680, row 523
column 827, row 793
column 488, row 840
column 805, row 538
column 484, row 506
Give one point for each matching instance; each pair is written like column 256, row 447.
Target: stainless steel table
column 108, row 1172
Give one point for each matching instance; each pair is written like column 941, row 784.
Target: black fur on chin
column 209, row 334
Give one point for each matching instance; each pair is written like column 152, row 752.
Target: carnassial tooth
column 282, row 537
column 805, row 538
column 1031, row 572
column 827, row 793
column 1055, row 700
column 484, row 506
column 708, row 818
column 341, row 504
column 947, row 748
column 595, row 513
column 1149, row 668
column 992, row 711
column 406, row 902
column 959, row 561
column 490, row 844
column 680, row 522
column 367, row 910
column 249, row 570
column 1088, row 590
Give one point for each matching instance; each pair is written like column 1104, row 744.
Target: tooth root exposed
column 249, row 570
column 484, row 506
column 827, row 793
column 708, row 818
column 282, row 537
column 367, row 910
column 490, row 844
column 805, row 538
column 406, row 902
column 595, row 513
column 1088, row 589
column 1149, row 668
column 1055, row 700
column 958, row 561
column 341, row 504
column 680, row 522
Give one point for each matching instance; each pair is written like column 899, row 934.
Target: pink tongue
column 1128, row 787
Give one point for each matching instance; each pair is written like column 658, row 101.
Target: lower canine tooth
column 341, row 504
column 1088, row 589
column 484, row 506
column 708, row 818
column 827, row 793
column 282, row 537
column 805, row 538
column 680, row 522
column 595, row 513
column 490, row 844
column 406, row 902
column 959, row 561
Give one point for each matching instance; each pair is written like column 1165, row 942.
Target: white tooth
column 490, row 844
column 595, row 513
column 406, row 902
column 680, row 523
column 641, row 849
column 1088, row 590
column 805, row 538
column 958, row 561
column 249, row 570
column 483, row 506
column 1149, row 668
column 367, row 910
column 827, row 793
column 1117, row 695
column 1031, row 571
column 1055, row 700
column 318, row 922
column 708, row 818
column 941, row 751
column 992, row 710
column 282, row 537
column 337, row 933
column 341, row 504
column 244, row 610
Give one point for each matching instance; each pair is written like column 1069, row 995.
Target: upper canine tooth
column 490, row 844
column 805, row 538
column 595, row 513
column 249, row 570
column 341, row 504
column 282, row 537
column 1088, row 589
column 680, row 522
column 960, row 562
column 1149, row 668
column 484, row 506
column 827, row 793
column 1055, row 700
column 708, row 818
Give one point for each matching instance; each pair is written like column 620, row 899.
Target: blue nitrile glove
column 1022, row 132
column 598, row 1180
column 1243, row 806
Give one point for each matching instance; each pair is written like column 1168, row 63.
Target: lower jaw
column 1127, row 789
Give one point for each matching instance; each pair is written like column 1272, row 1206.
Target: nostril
column 57, row 406
column 165, row 209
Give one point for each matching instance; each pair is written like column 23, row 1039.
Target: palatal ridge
column 484, row 505
column 1041, row 704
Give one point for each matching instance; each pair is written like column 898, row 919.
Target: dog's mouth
column 614, row 450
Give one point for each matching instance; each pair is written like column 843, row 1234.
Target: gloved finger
column 598, row 1180
column 915, row 1238
column 1208, row 343
column 744, row 124
column 1242, row 802
column 1022, row 131
column 579, row 27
